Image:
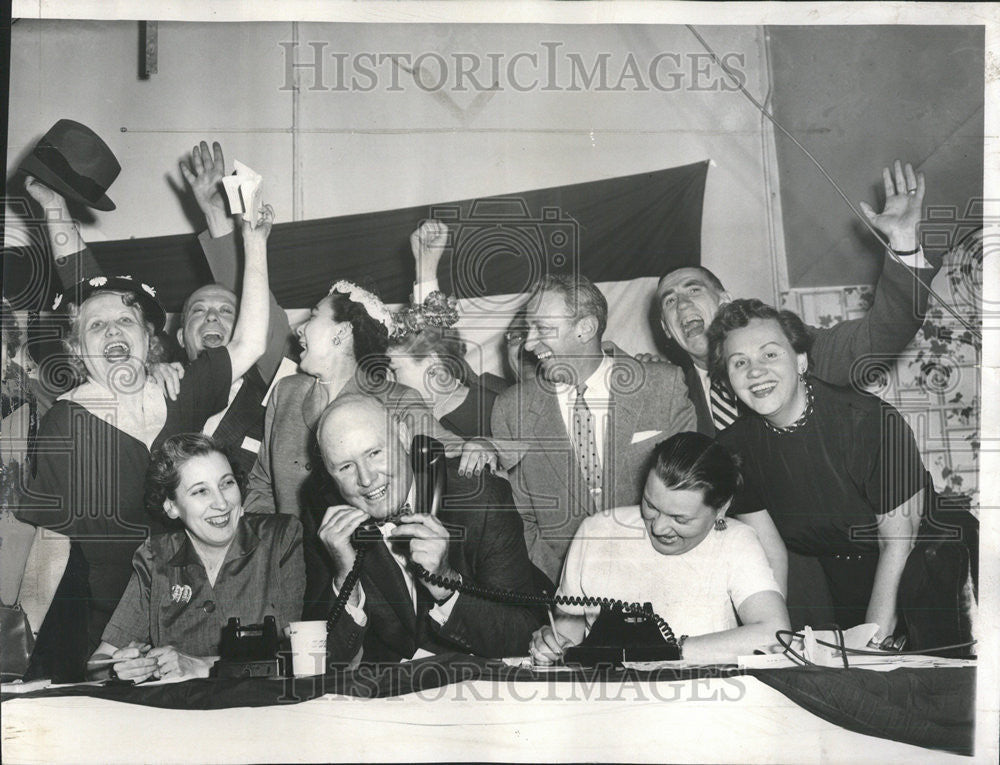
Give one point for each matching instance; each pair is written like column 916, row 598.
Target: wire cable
column 780, row 636
column 524, row 598
column 878, row 234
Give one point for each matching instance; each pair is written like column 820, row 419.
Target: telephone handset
column 622, row 631
column 428, row 462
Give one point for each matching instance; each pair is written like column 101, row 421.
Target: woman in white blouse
column 706, row 575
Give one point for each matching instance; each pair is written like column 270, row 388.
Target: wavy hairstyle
column 581, row 296
column 168, row 459
column 371, row 337
column 694, row 462
column 71, row 343
column 442, row 342
column 738, row 314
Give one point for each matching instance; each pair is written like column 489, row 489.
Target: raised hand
column 204, row 175
column 64, row 237
column 255, row 232
column 427, row 244
column 429, row 541
column 904, row 200
column 46, row 196
column 339, row 523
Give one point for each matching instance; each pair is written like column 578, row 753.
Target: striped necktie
column 724, row 411
column 585, row 444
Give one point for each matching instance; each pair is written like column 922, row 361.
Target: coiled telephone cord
column 524, row 598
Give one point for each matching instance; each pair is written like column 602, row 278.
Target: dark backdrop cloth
column 934, row 708
column 611, row 230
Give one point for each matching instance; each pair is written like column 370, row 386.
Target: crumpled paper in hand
column 244, row 191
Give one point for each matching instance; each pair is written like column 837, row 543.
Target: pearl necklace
column 802, row 420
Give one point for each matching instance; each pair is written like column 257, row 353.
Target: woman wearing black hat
column 90, row 476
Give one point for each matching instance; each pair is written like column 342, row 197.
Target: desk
column 720, row 719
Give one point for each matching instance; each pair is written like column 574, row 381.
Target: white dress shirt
column 706, row 384
column 439, row 613
column 598, row 398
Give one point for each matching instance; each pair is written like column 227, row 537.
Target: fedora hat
column 73, row 160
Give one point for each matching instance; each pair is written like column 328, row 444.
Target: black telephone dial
column 622, row 631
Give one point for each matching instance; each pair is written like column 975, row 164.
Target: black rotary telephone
column 622, row 631
column 250, row 650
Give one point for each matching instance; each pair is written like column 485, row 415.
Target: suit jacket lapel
column 547, row 429
column 244, row 412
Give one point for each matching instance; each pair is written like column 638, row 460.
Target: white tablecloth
column 736, row 719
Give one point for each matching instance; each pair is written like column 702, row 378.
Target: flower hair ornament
column 437, row 310
column 145, row 294
column 376, row 308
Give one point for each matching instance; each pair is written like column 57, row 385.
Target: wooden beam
column 150, row 48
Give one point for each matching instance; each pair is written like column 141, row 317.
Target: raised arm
column 250, row 333
column 901, row 293
column 204, row 176
column 427, row 244
column 72, row 258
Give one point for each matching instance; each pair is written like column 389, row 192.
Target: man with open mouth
column 209, row 313
column 591, row 418
column 689, row 297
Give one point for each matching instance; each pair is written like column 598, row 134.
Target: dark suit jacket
column 648, row 404
column 896, row 315
column 244, row 420
column 487, row 549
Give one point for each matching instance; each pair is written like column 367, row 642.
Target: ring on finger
column 911, row 191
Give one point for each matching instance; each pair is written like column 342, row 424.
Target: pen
column 552, row 624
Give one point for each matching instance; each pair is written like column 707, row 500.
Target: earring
column 720, row 523
column 336, row 340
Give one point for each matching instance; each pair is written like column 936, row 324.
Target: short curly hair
column 738, row 314
column 166, row 461
column 443, row 342
column 71, row 343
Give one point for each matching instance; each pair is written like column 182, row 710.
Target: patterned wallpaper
column 935, row 381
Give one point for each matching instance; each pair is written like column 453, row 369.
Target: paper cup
column 308, row 648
